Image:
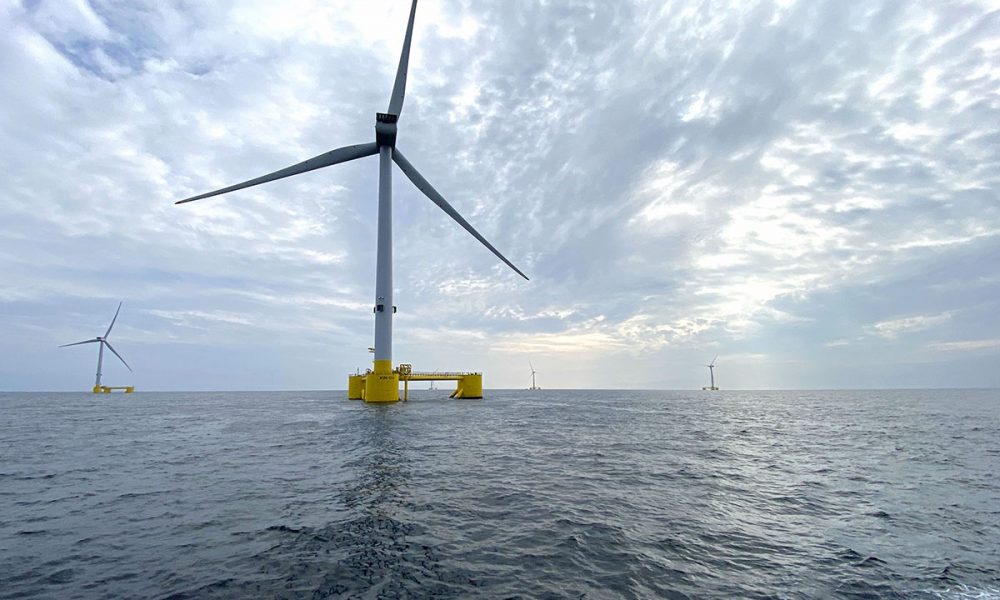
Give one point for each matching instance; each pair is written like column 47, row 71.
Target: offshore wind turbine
column 385, row 146
column 711, row 372
column 103, row 341
column 533, row 371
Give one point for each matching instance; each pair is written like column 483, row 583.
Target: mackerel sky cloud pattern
column 807, row 189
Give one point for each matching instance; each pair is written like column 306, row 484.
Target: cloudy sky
column 808, row 190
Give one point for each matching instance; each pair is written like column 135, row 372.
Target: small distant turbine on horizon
column 711, row 372
column 533, row 371
column 385, row 146
column 103, row 341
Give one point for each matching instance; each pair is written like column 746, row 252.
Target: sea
column 524, row 494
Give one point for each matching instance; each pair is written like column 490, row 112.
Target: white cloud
column 965, row 345
column 892, row 328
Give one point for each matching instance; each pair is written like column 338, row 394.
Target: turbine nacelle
column 385, row 129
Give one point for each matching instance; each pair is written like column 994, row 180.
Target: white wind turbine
column 533, row 371
column 103, row 341
column 385, row 146
column 711, row 372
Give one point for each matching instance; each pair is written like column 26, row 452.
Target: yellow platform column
column 471, row 386
column 355, row 387
column 97, row 389
column 382, row 384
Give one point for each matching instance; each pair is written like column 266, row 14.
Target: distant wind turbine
column 711, row 372
column 533, row 371
column 385, row 146
column 103, row 341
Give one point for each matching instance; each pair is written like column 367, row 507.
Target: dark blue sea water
column 529, row 494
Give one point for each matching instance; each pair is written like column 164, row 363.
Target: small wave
column 965, row 592
column 61, row 576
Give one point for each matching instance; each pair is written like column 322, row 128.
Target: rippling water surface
column 596, row 494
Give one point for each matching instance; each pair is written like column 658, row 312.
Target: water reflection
column 375, row 548
column 378, row 462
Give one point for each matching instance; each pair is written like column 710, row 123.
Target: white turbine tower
column 533, row 371
column 711, row 372
column 103, row 341
column 385, row 146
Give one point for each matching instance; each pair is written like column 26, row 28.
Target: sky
column 807, row 190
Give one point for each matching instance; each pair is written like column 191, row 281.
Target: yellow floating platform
column 382, row 383
column 107, row 389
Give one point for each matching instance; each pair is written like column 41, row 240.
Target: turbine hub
column 385, row 129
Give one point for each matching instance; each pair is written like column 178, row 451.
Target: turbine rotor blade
column 113, row 320
column 83, row 342
column 333, row 157
column 714, row 359
column 118, row 355
column 399, row 87
column 429, row 191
